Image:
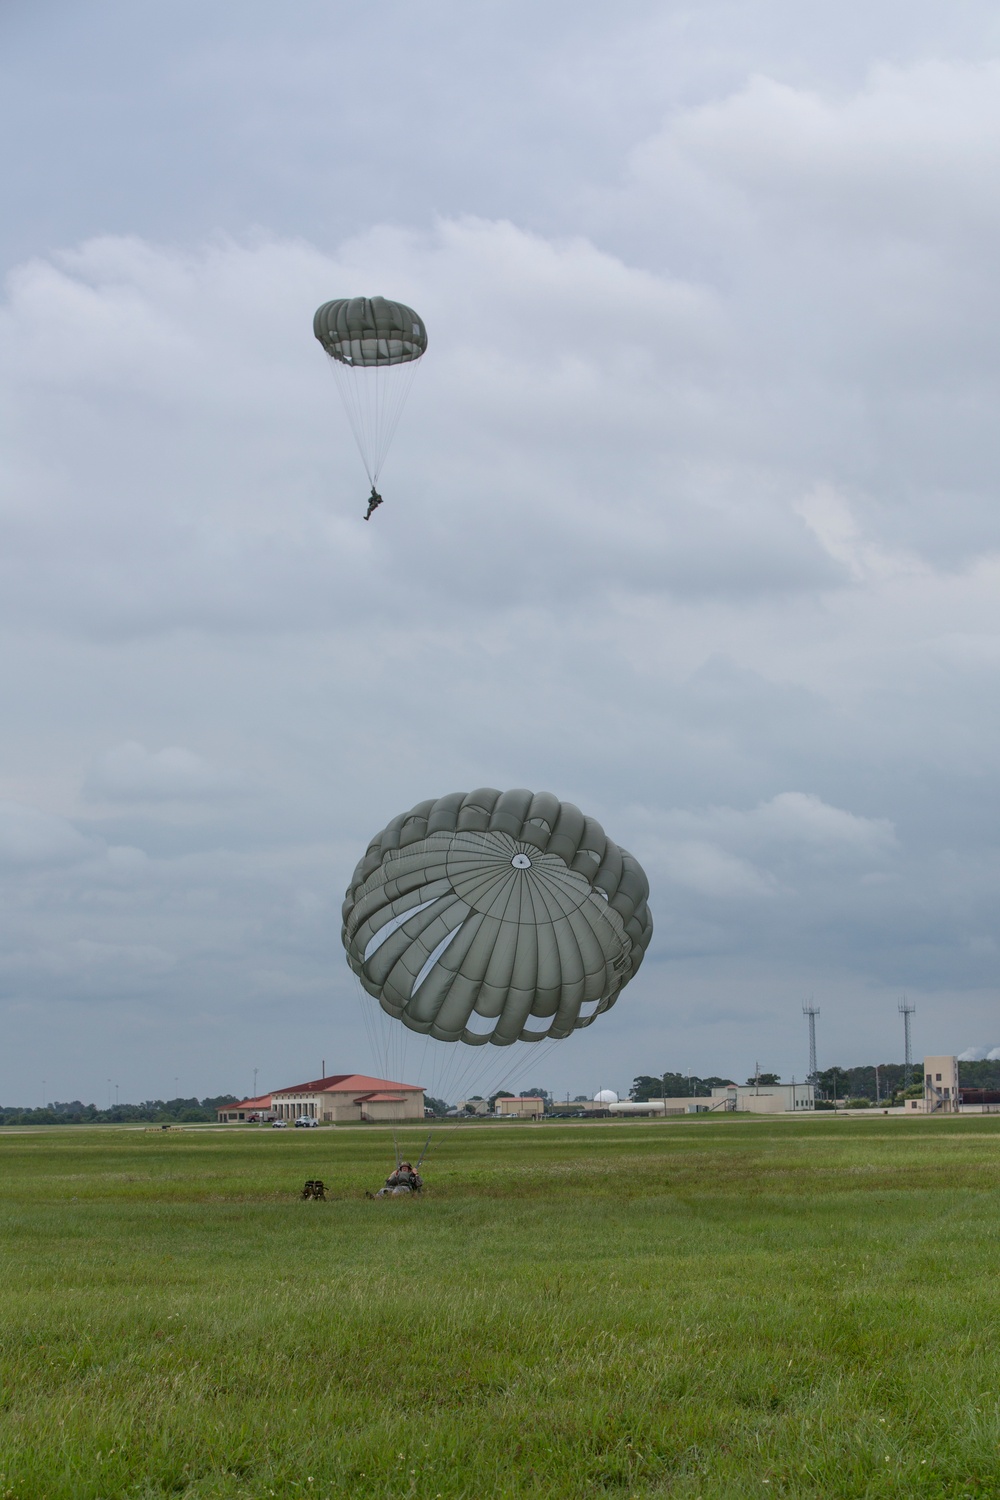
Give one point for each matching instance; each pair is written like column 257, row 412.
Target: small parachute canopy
column 374, row 346
column 496, row 917
column 369, row 332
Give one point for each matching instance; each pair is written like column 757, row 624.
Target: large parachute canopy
column 374, row 346
column 496, row 917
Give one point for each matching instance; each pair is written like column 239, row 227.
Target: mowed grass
column 713, row 1308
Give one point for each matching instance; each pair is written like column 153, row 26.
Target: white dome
column 605, row 1096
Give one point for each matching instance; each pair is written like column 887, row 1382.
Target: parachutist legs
column 374, row 501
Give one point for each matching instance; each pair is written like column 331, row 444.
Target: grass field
column 712, row 1308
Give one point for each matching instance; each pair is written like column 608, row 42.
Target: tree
column 769, row 1078
column 677, row 1085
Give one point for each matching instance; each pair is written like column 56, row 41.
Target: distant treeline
column 152, row 1111
column 672, row 1086
column 833, row 1083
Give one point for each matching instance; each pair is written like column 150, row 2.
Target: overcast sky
column 691, row 519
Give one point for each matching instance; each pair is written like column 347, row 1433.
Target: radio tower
column 812, row 1011
column 906, row 1011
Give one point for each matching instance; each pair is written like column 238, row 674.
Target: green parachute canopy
column 374, row 346
column 496, row 917
column 370, row 331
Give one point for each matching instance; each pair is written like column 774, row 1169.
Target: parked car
column 278, row 1125
column 306, row 1122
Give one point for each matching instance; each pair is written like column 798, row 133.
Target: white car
column 278, row 1125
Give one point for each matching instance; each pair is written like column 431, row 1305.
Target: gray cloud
column 30, row 837
column 131, row 773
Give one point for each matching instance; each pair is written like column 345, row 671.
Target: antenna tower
column 812, row 1011
column 906, row 1011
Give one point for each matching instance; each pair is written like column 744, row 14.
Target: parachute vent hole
column 521, row 862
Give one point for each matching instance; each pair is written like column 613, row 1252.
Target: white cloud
column 131, row 773
column 709, row 871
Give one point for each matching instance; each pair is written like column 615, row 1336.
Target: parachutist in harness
column 374, row 501
column 405, row 1179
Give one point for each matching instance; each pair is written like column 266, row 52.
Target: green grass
column 713, row 1308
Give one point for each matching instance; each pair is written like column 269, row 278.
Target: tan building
column 247, row 1109
column 347, row 1097
column 528, row 1107
column 942, row 1095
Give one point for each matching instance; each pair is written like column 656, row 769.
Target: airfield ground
column 717, row 1308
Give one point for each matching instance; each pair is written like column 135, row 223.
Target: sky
column 691, row 518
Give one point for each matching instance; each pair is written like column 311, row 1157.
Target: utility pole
column 255, row 1072
column 663, row 1093
column 906, row 1011
column 811, row 1011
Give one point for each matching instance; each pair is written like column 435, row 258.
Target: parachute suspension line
column 427, row 1147
column 489, row 1072
column 374, row 399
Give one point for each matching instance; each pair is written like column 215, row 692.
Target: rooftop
column 348, row 1083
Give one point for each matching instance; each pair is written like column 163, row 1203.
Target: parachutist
column 374, row 501
column 405, row 1179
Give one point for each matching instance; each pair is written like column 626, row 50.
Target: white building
column 685, row 1104
column 769, row 1098
column 757, row 1099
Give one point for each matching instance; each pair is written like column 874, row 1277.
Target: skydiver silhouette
column 374, row 501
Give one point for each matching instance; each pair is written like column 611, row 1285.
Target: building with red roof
column 339, row 1099
column 247, row 1109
